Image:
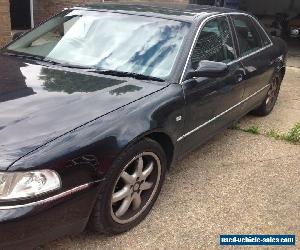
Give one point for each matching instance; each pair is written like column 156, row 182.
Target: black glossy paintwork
column 40, row 103
column 209, row 69
column 209, row 97
column 77, row 123
column 24, row 228
column 186, row 12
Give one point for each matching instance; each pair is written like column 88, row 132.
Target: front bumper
column 32, row 224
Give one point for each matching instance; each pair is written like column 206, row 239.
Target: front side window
column 214, row 43
column 107, row 41
column 248, row 37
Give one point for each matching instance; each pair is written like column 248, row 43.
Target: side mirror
column 209, row 69
column 17, row 35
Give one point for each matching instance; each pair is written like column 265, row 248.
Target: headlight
column 20, row 185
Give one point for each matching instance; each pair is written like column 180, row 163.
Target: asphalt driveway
column 237, row 183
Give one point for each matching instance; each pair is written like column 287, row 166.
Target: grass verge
column 293, row 135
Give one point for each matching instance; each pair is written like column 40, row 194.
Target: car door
column 211, row 103
column 255, row 52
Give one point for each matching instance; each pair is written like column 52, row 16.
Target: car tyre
column 136, row 177
column 270, row 100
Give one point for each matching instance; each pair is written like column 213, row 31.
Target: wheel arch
column 280, row 67
column 163, row 139
column 166, row 143
column 282, row 71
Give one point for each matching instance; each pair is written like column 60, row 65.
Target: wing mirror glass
column 209, row 69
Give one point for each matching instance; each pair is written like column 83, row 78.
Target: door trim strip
column 223, row 113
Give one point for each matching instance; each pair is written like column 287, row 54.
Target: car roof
column 185, row 12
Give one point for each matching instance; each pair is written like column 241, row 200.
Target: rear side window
column 214, row 43
column 248, row 36
column 264, row 37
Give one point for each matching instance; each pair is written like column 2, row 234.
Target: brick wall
column 43, row 9
column 5, row 32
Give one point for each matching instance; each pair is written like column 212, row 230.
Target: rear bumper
column 32, row 224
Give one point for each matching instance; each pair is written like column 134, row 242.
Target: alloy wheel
column 135, row 187
column 272, row 93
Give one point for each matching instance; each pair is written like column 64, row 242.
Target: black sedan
column 98, row 102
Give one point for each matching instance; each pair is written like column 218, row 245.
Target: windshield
column 107, row 41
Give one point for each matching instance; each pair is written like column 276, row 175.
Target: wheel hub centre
column 136, row 187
